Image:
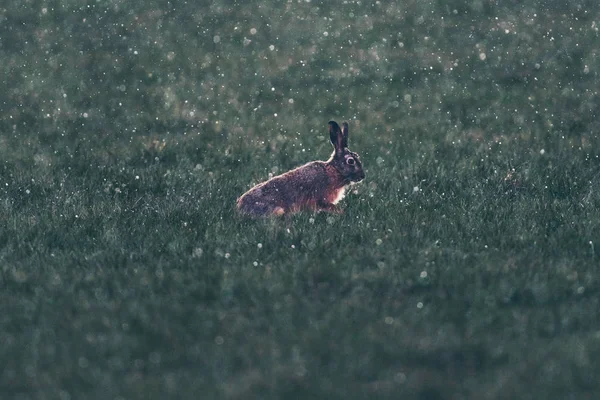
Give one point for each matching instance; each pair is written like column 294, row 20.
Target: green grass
column 464, row 266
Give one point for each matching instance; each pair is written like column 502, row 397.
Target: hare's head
column 345, row 161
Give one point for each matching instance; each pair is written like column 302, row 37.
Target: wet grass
column 464, row 266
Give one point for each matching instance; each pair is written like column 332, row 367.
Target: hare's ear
column 336, row 136
column 345, row 135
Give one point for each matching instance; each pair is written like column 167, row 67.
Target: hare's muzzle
column 360, row 175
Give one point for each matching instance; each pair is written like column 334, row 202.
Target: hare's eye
column 350, row 161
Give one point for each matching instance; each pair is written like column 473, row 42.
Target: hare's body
column 318, row 185
column 315, row 185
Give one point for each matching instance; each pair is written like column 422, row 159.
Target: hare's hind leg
column 332, row 208
column 259, row 208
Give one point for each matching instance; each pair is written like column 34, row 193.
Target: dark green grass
column 464, row 266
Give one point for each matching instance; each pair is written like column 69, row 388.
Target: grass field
column 465, row 265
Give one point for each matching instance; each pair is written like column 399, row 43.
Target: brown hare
column 317, row 186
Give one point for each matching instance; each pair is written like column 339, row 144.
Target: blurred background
column 92, row 76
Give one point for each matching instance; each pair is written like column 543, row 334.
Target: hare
column 316, row 186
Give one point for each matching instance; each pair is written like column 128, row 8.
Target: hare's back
column 307, row 177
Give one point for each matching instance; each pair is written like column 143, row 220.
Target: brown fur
column 315, row 186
